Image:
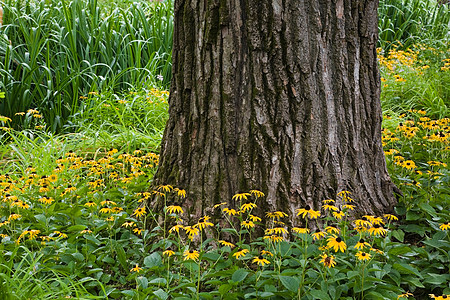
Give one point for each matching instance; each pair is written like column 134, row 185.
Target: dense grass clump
column 53, row 52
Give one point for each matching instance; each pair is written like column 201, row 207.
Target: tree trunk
column 282, row 96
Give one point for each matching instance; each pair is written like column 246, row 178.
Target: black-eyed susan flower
column 128, row 224
column 336, row 243
column 328, row 260
column 445, row 226
column 87, row 230
column 203, row 223
column 227, row 244
column 174, row 209
column 377, row 229
column 378, row 251
column 276, row 215
column 273, row 238
column 317, row 235
column 329, row 207
column 105, row 210
column 60, row 234
column 276, row 230
column 168, row 253
column 348, row 206
column 138, row 231
column 191, row 231
column 248, row 206
column 108, row 202
column 390, row 217
column 338, row 214
column 307, row 211
column 254, row 218
column 14, row 216
column 241, row 196
column 191, row 254
column 362, row 256
column 230, row 212
column 300, row 230
column 90, row 203
column 165, row 188
column 257, row 194
column 332, row 229
column 408, row 164
column 328, row 201
column 265, row 252
column 176, row 228
column 247, row 224
column 180, row 193
column 136, row 269
column 260, row 260
column 361, row 244
column 139, row 212
column 240, row 253
column 404, row 295
column 220, row 204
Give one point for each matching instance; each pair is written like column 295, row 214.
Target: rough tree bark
column 277, row 95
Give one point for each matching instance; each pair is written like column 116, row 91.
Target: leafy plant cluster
column 53, row 52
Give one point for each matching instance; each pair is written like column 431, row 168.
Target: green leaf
column 239, row 275
column 121, row 256
column 437, row 279
column 289, row 282
column 224, row 288
column 428, row 208
column 320, row 295
column 406, row 269
column 78, row 256
column 399, row 250
column 399, row 235
column 76, row 228
column 161, row 294
column 153, row 260
column 142, row 282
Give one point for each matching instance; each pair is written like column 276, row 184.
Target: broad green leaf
column 402, row 249
column 78, row 256
column 289, row 282
column 320, row 295
column 224, row 288
column 239, row 275
column 161, row 294
column 142, row 282
column 406, row 269
column 153, row 260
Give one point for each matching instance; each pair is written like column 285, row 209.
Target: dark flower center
column 361, row 241
column 363, row 254
column 260, row 257
column 338, row 240
column 376, row 226
column 364, row 218
column 191, row 251
column 307, row 207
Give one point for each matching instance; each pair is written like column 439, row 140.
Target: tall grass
column 413, row 21
column 53, row 52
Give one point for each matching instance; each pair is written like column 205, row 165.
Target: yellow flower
column 390, row 217
column 111, row 218
column 276, row 215
column 136, row 269
column 300, row 230
column 248, row 206
column 331, row 229
column 220, row 204
column 348, row 206
column 14, row 216
column 327, row 260
column 265, row 252
column 273, row 238
column 230, row 212
column 377, row 251
column 377, row 230
column 240, row 253
column 226, row 244
column 180, row 193
column 106, row 210
column 361, row 244
column 329, row 207
column 405, row 295
column 165, row 188
column 173, row 209
column 445, row 226
column 60, row 234
column 203, row 223
column 318, row 235
column 408, row 164
column 362, row 255
column 168, row 253
column 328, row 201
column 336, row 243
column 260, row 261
column 276, row 230
column 85, row 231
column 191, row 254
column 138, row 231
column 241, row 196
column 338, row 215
column 139, row 212
column 257, row 193
column 90, row 203
column 108, row 202
column 248, row 224
column 307, row 211
column 254, row 218
column 176, row 228
column 191, row 231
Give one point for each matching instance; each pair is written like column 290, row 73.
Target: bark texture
column 277, row 95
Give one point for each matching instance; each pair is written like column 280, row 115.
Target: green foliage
column 53, row 52
column 413, row 21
